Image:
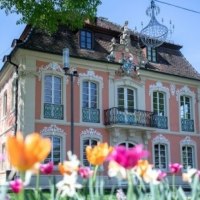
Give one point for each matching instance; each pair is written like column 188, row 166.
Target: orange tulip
column 25, row 153
column 98, row 154
column 67, row 168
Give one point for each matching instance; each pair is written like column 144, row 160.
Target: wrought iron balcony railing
column 53, row 111
column 159, row 121
column 187, row 125
column 90, row 115
column 134, row 117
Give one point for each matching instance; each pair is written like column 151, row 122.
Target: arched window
column 161, row 152
column 58, row 148
column 159, row 105
column 89, row 137
column 90, row 102
column 187, row 122
column 188, row 149
column 53, row 105
column 126, row 99
column 126, row 144
column 188, row 156
column 160, row 156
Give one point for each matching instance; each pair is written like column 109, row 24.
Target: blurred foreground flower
column 128, row 158
column 161, row 175
column 16, row 185
column 98, row 154
column 68, row 167
column 68, row 186
column 85, row 172
column 120, row 195
column 46, row 168
column 189, row 175
column 25, row 153
column 116, row 170
column 175, row 168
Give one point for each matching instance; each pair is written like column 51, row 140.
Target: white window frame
column 152, row 54
column 53, row 91
column 190, row 105
column 158, row 86
column 125, row 97
column 90, row 95
column 86, row 38
column 158, row 103
column 13, row 94
column 5, row 103
column 187, row 157
column 91, row 76
column 56, row 70
column 187, row 141
column 88, row 134
column 185, row 91
column 161, row 140
column 54, row 131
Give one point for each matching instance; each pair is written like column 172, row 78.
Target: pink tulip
column 85, row 172
column 161, row 175
column 175, row 168
column 46, row 168
column 128, row 157
column 16, row 185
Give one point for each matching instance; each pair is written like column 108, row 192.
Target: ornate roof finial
column 125, row 37
column 154, row 34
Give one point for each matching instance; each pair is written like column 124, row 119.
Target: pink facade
column 150, row 104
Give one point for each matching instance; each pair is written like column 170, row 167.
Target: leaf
column 48, row 14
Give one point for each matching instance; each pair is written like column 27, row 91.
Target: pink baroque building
column 125, row 94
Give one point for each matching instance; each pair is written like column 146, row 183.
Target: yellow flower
column 98, row 154
column 25, row 153
column 142, row 167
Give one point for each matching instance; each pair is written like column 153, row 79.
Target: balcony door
column 90, row 102
column 53, row 107
column 126, row 105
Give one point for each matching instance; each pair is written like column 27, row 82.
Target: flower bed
column 81, row 183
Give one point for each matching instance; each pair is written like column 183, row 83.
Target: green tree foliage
column 48, row 14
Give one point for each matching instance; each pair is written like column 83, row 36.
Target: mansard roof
column 170, row 60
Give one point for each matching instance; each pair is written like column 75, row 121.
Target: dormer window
column 85, row 39
column 151, row 54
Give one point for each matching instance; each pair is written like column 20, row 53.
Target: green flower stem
column 91, row 188
column 130, row 194
column 21, row 194
column 92, row 181
column 95, row 173
column 173, row 186
column 52, row 187
column 37, row 186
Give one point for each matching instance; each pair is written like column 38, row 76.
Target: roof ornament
column 125, row 36
column 154, row 34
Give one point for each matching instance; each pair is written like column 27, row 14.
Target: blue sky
column 186, row 32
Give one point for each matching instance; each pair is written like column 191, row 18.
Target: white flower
column 68, row 186
column 187, row 177
column 115, row 170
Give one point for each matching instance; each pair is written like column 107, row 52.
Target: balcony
column 159, row 121
column 187, row 125
column 53, row 111
column 91, row 115
column 134, row 117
